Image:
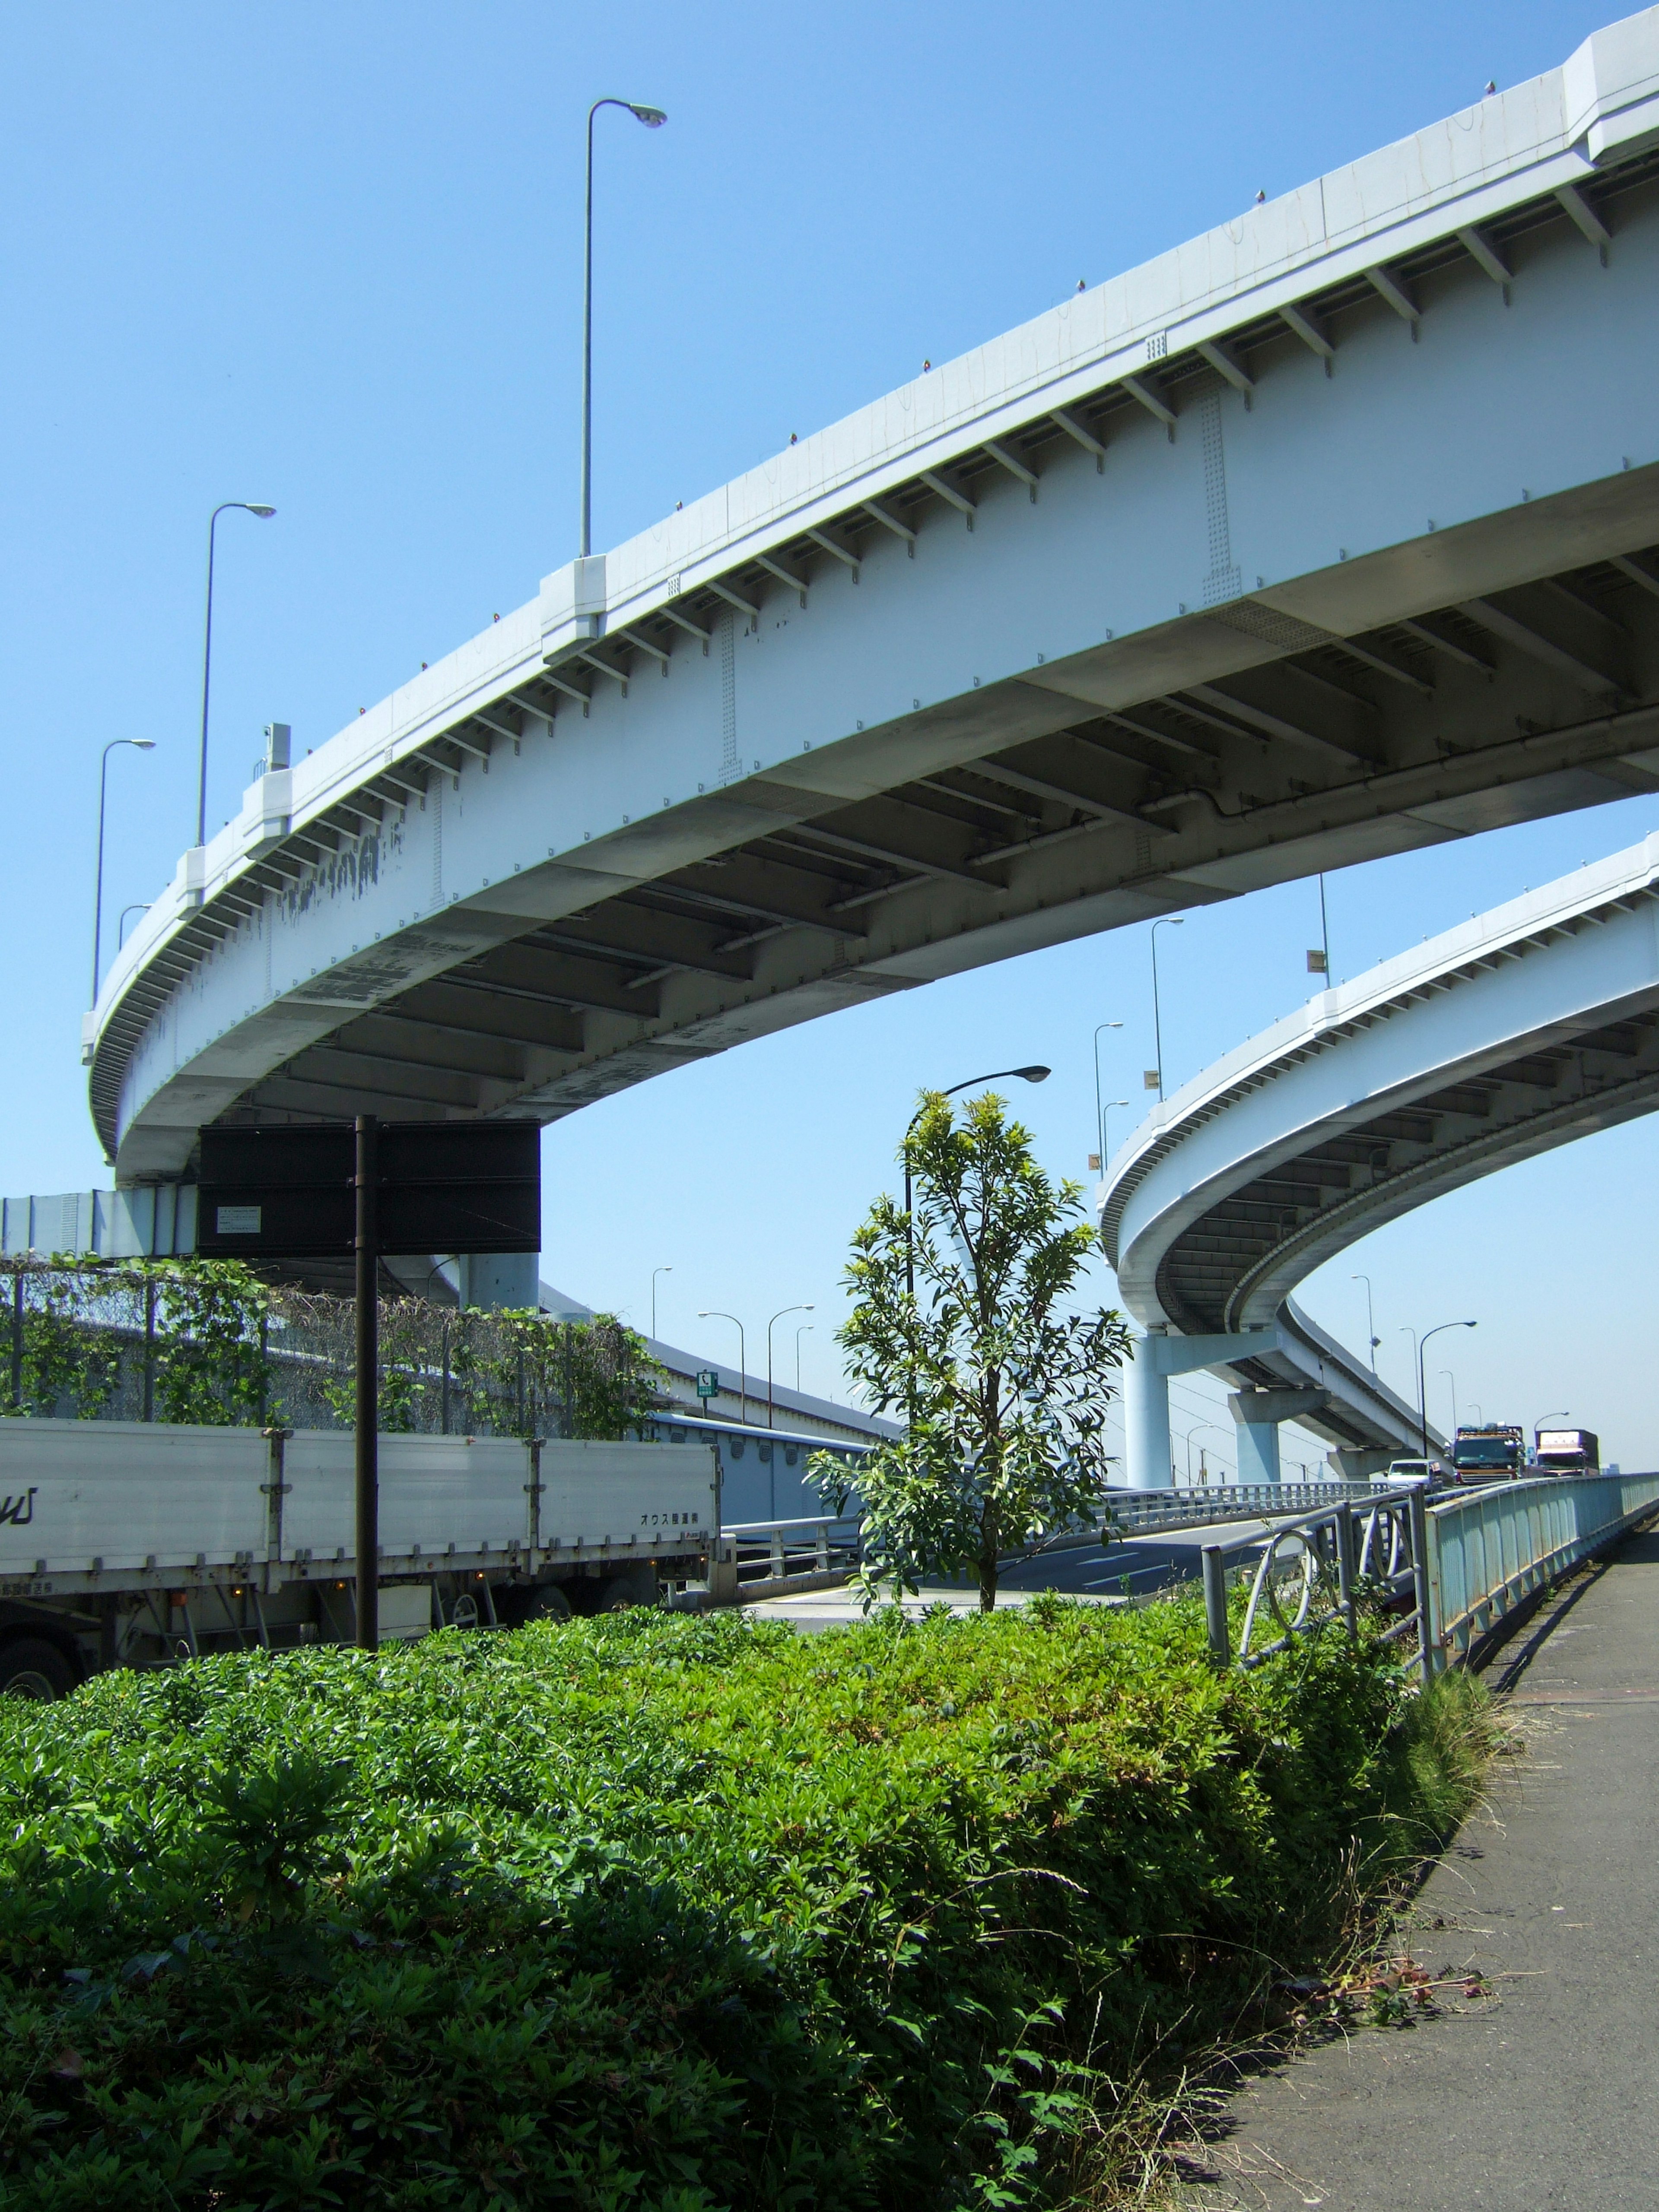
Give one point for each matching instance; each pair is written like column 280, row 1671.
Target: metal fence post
column 1418, row 1514
column 1344, row 1574
column 1215, row 1605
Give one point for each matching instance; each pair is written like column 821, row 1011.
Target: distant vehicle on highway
column 1432, row 1471
column 1567, row 1451
column 1490, row 1453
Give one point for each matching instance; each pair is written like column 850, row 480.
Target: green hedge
column 655, row 1910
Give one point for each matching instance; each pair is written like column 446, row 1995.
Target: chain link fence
column 207, row 1342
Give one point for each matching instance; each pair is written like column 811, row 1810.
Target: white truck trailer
column 131, row 1544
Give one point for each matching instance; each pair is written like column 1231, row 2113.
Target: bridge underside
column 1463, row 717
column 525, row 899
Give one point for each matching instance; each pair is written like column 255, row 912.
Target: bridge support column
column 1257, row 1414
column 1146, row 1394
column 501, row 1278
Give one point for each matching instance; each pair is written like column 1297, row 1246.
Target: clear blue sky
column 330, row 257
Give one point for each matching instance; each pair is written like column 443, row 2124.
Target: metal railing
column 1489, row 1550
column 1448, row 1568
column 1145, row 1512
column 765, row 1556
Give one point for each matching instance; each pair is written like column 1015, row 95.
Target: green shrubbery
column 655, row 1910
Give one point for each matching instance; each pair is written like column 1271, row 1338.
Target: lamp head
column 142, row 745
column 258, row 507
column 653, row 118
column 1034, row 1074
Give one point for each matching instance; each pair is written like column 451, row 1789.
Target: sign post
column 708, row 1383
column 368, row 1384
column 376, row 1189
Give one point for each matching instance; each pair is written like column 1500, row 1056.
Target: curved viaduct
column 1518, row 1031
column 1330, row 534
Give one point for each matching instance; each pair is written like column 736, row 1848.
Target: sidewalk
column 1542, row 2098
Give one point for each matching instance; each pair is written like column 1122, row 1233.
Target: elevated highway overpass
column 1518, row 1031
column 1330, row 534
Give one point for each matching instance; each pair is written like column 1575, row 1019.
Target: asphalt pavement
column 1541, row 2096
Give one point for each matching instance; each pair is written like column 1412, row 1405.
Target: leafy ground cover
column 665, row 1911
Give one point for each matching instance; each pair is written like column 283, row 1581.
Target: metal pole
column 808, row 1308
column 652, row 118
column 138, row 744
column 1215, row 1605
column 655, row 1271
column 1164, row 922
column 1324, row 931
column 1370, row 1317
column 1418, row 1515
column 1345, row 1568
column 263, row 512
column 1100, row 1111
column 368, row 1387
column 806, row 1329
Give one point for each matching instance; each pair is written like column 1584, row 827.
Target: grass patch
column 672, row 1913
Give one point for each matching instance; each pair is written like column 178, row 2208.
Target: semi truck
column 1490, row 1453
column 135, row 1544
column 1567, row 1451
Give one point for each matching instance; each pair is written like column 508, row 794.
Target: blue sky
column 330, row 258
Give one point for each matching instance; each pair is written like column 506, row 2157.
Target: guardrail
column 766, row 1558
column 1451, row 1568
column 1145, row 1512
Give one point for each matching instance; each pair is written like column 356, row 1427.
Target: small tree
column 1004, row 1393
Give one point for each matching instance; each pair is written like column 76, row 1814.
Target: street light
column 808, row 1308
column 654, row 118
column 714, row 1313
column 1543, row 1422
column 806, row 1329
column 655, row 1271
column 1191, row 1433
column 1452, row 1379
column 138, row 906
column 1026, row 1075
column 1100, row 1111
column 1422, row 1415
column 265, row 513
column 1370, row 1317
column 139, row 745
column 1164, row 922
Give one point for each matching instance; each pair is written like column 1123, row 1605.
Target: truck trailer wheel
column 638, row 1586
column 549, row 1602
column 33, row 1668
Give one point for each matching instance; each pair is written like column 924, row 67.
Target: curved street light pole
column 1100, row 1111
column 138, row 906
column 265, row 513
column 1452, row 1379
column 808, row 1308
column 139, row 745
column 806, row 1329
column 714, row 1313
column 654, row 118
column 1542, row 1422
column 1370, row 1317
column 1191, row 1433
column 1164, row 922
column 1026, row 1074
column 655, row 1271
column 1422, row 1344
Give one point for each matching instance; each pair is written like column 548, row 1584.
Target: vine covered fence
column 208, row 1342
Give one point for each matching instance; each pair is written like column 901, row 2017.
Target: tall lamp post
column 1543, row 1422
column 1026, row 1075
column 655, row 1271
column 806, row 1329
column 1422, row 1345
column 139, row 745
column 1100, row 1111
column 1370, row 1317
column 714, row 1313
column 654, row 118
column 808, row 1308
column 1452, row 1379
column 1164, row 922
column 225, row 507
column 1194, row 1430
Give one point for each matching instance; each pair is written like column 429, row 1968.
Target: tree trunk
column 988, row 1584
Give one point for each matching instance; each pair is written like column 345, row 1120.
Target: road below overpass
column 1537, row 2096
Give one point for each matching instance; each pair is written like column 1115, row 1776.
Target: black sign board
column 440, row 1187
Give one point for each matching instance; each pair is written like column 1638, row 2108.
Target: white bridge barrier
column 1489, row 1550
